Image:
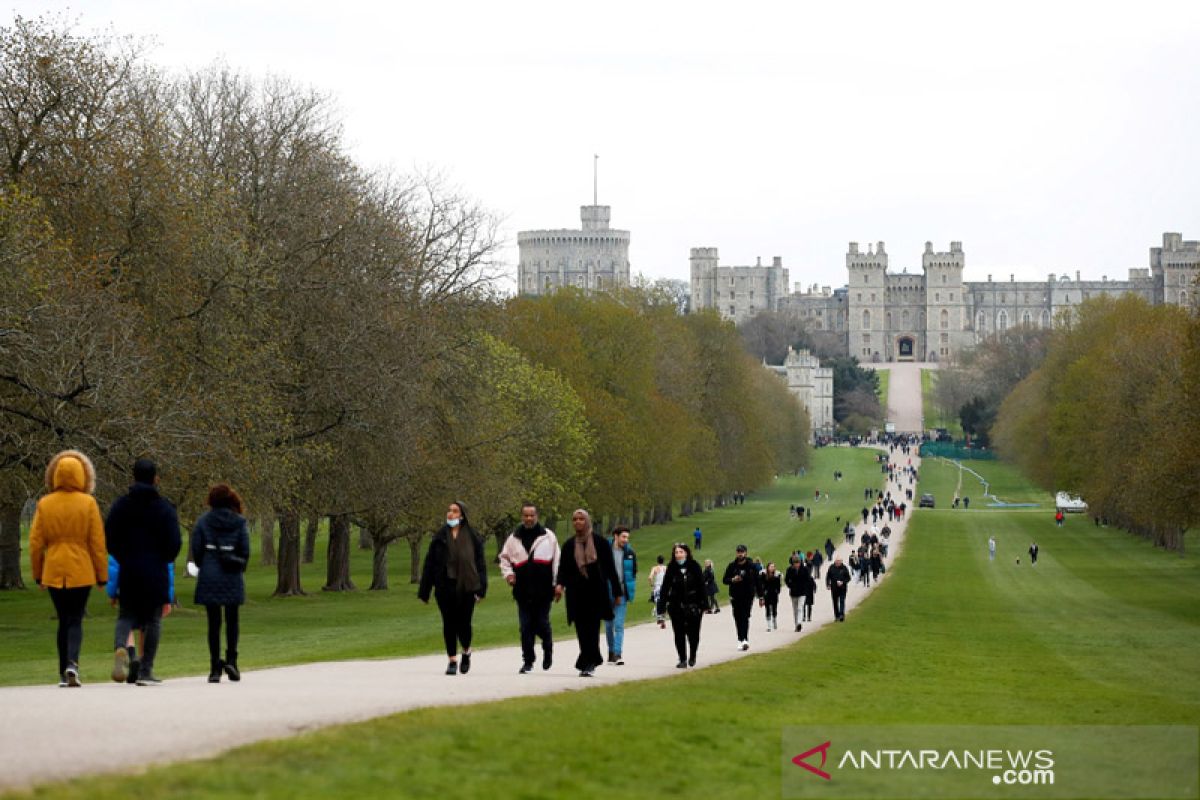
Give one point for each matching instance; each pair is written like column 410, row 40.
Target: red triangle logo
column 800, row 761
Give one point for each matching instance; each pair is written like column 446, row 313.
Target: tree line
column 193, row 268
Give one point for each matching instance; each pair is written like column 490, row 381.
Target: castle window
column 872, row 297
column 1003, row 298
column 1183, row 298
column 1045, row 319
column 952, row 297
column 945, row 338
column 943, row 277
column 860, row 297
column 945, row 317
column 937, row 297
column 732, row 311
column 1002, row 321
column 982, row 324
column 866, row 320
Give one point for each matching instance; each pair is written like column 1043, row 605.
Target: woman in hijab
column 456, row 573
column 586, row 573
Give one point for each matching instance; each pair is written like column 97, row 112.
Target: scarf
column 585, row 545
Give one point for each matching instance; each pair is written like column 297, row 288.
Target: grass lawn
column 934, row 418
column 325, row 626
column 1102, row 631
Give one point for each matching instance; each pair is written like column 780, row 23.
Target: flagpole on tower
column 595, row 180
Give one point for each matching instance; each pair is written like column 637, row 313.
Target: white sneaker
column 745, row 645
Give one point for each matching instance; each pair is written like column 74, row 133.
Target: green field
column 1102, row 631
column 326, row 626
column 934, row 418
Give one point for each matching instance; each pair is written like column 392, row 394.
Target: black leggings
column 686, row 626
column 457, row 610
column 69, row 605
column 214, row 633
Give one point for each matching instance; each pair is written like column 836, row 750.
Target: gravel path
column 187, row 718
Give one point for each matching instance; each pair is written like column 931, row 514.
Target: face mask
column 680, row 561
column 453, row 523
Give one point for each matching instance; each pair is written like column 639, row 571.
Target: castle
column 592, row 257
column 932, row 315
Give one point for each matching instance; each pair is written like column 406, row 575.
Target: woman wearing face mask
column 684, row 598
column 456, row 574
column 587, row 574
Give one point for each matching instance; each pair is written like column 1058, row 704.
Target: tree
column 768, row 335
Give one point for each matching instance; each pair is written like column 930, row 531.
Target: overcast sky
column 1047, row 137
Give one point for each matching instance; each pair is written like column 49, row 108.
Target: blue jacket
column 627, row 571
column 110, row 588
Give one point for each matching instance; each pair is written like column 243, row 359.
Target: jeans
column 147, row 619
column 839, row 602
column 69, row 605
column 614, row 629
column 741, row 616
column 534, row 619
column 214, row 634
column 457, row 610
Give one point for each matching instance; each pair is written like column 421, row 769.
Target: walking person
column 66, row 552
column 625, row 560
column 221, row 550
column 742, row 579
column 656, row 578
column 800, row 584
column 1033, row 554
column 770, row 584
column 684, row 599
column 588, row 577
column 133, row 643
column 710, row 587
column 455, row 572
column 697, row 537
column 837, row 580
column 142, row 531
column 991, row 548
column 816, row 560
column 829, row 548
column 529, row 563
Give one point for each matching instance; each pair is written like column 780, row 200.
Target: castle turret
column 704, row 277
column 867, row 301
column 945, row 301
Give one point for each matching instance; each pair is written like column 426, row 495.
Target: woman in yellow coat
column 66, row 547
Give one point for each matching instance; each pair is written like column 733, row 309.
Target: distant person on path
column 66, row 552
column 684, row 599
column 142, row 531
column 991, row 548
column 455, row 573
column 742, row 579
column 221, row 551
column 837, row 580
column 588, row 577
column 829, row 548
column 529, row 562
column 710, row 587
column 769, row 587
column 697, row 537
column 800, row 584
column 816, row 560
column 1059, row 517
column 625, row 560
column 656, row 579
column 1033, row 554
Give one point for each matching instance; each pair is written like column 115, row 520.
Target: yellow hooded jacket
column 66, row 541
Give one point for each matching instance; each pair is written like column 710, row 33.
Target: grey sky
column 1047, row 137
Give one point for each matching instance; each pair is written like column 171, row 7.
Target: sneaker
column 547, row 659
column 71, row 675
column 120, row 670
column 452, row 668
column 231, row 671
column 62, row 681
column 620, row 662
column 681, row 665
column 612, row 658
column 586, row 673
column 525, row 668
column 135, row 669
column 148, row 679
column 465, row 663
column 745, row 645
column 798, row 627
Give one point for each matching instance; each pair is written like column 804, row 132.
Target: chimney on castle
column 759, row 264
column 854, row 248
column 777, row 261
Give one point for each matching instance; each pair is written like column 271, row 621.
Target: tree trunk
column 414, row 566
column 266, row 535
column 337, row 558
column 310, row 539
column 635, row 518
column 288, row 564
column 364, row 538
column 379, row 573
column 685, row 509
column 10, row 546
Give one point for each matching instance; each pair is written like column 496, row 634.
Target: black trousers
column 839, row 602
column 232, row 630
column 587, row 631
column 686, row 627
column 741, row 616
column 771, row 604
column 69, row 605
column 534, row 619
column 457, row 610
column 146, row 618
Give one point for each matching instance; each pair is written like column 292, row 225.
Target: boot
column 215, row 671
column 230, row 667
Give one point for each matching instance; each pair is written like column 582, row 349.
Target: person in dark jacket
column 837, row 580
column 588, row 577
column 529, row 563
column 816, row 560
column 221, row 550
column 741, row 577
column 800, row 584
column 769, row 581
column 142, row 532
column 456, row 574
column 684, row 597
column 829, row 548
column 711, row 588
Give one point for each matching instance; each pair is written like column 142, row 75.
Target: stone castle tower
column 945, row 301
column 867, row 301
